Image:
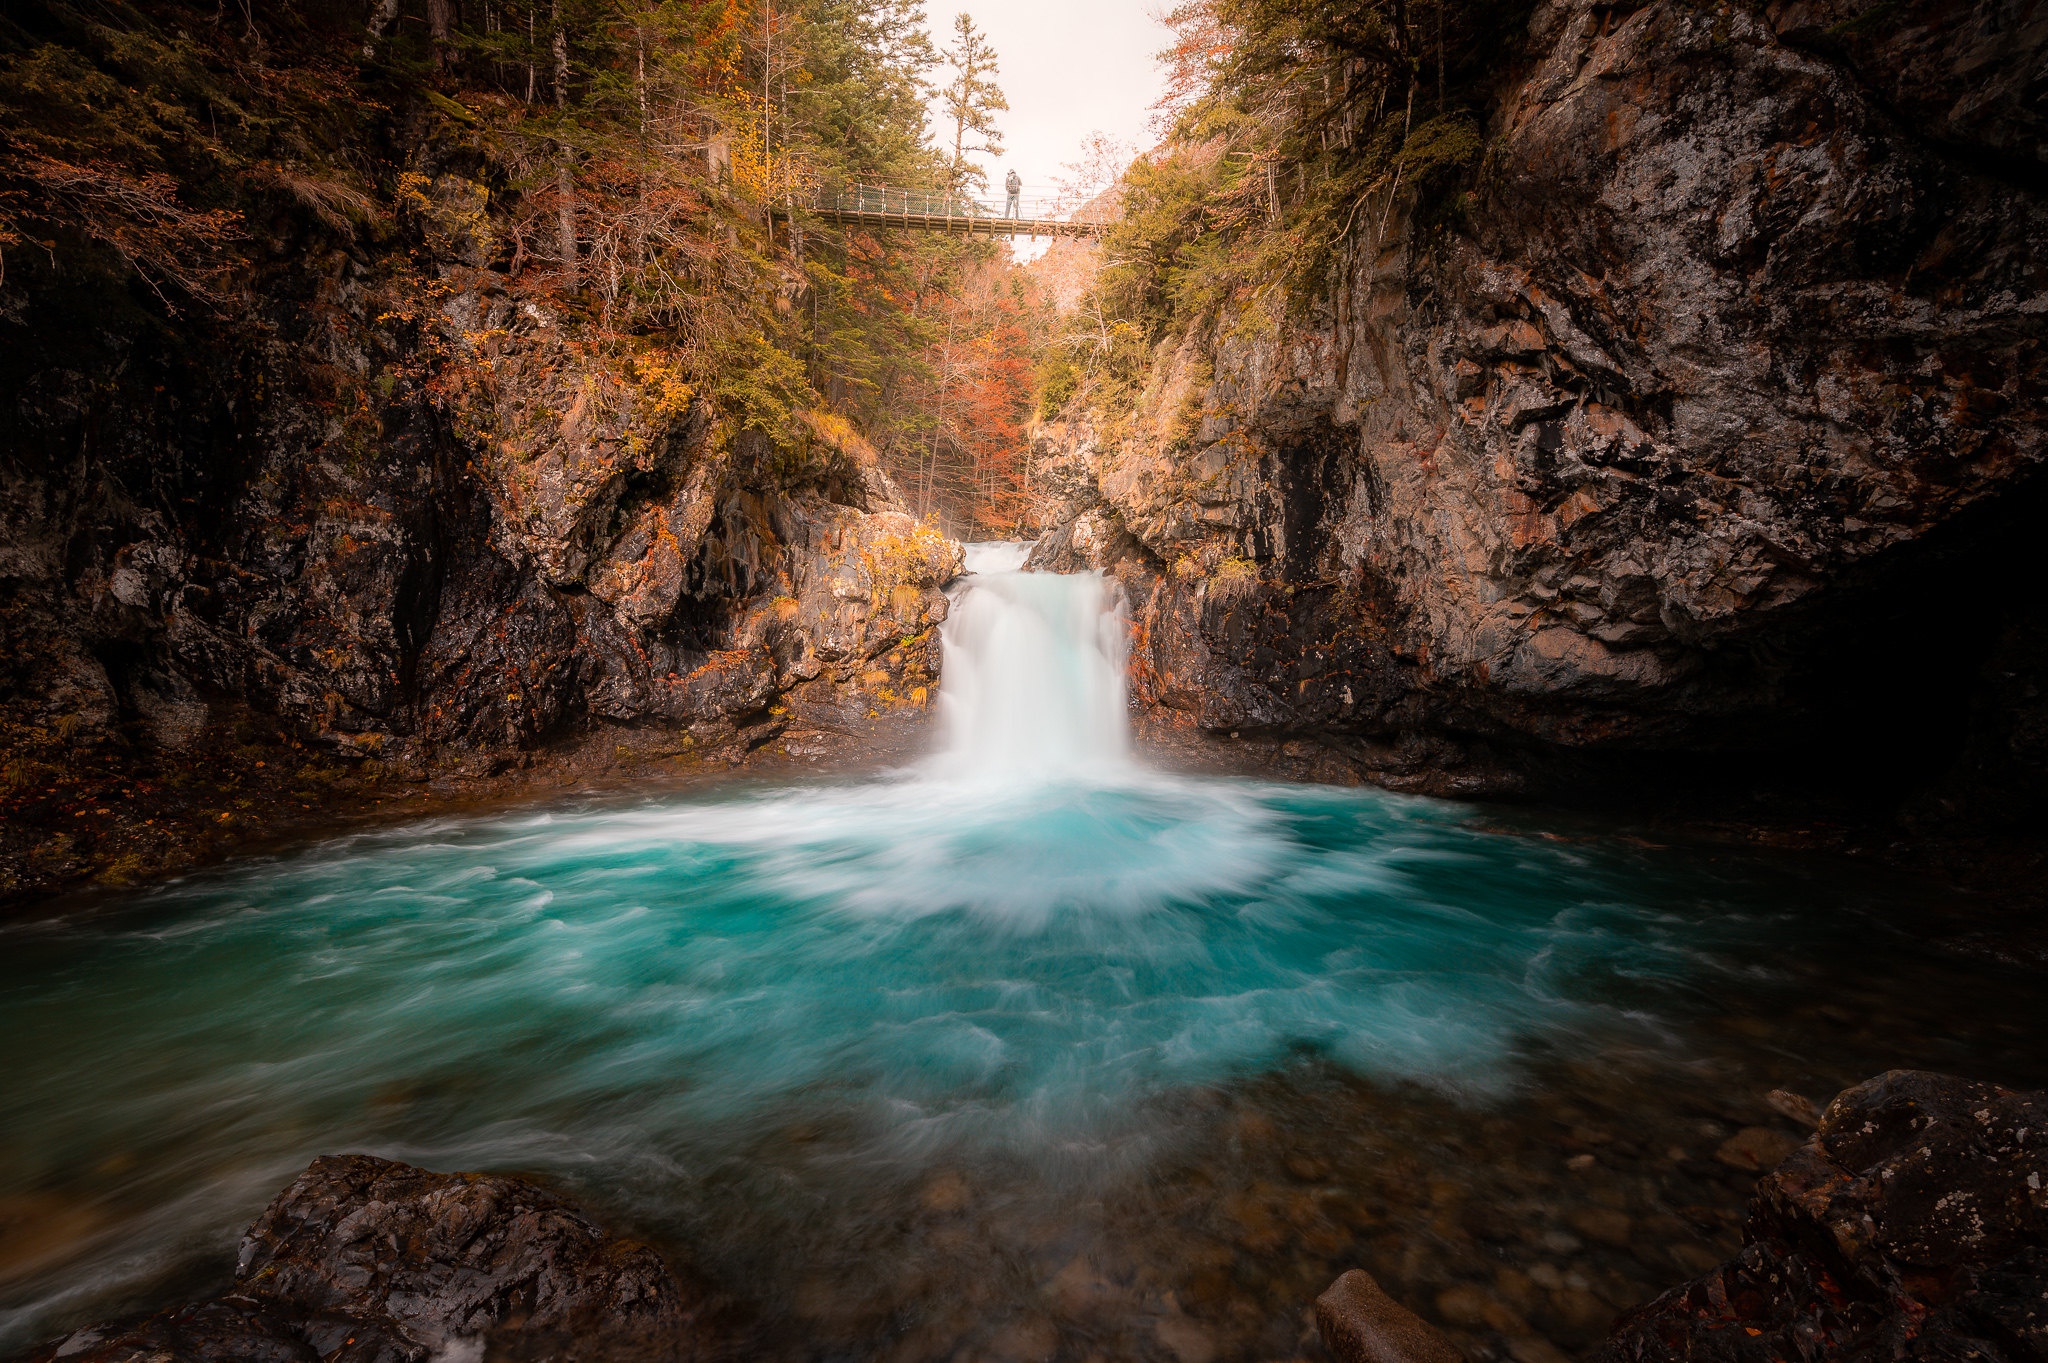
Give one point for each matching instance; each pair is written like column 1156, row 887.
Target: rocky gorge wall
column 396, row 516
column 1700, row 443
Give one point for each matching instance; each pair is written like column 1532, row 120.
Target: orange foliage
column 976, row 462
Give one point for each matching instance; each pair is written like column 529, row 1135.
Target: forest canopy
column 639, row 168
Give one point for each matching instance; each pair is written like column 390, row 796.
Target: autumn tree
column 616, row 164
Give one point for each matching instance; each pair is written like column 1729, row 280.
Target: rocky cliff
column 1698, row 439
column 383, row 509
column 195, row 529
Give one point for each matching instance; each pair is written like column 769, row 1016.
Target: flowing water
column 1027, row 1052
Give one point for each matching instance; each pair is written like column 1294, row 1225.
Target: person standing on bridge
column 1012, row 185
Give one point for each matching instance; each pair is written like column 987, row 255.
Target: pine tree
column 972, row 101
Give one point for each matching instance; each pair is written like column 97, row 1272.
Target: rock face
column 438, row 537
column 565, row 541
column 368, row 1261
column 1714, row 425
column 1913, row 1225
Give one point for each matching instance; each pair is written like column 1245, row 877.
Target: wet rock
column 39, row 1229
column 1079, row 1290
column 1912, row 1225
column 1186, row 1340
column 1307, row 1168
column 1361, row 1324
column 364, row 1260
column 1463, row 1306
column 1536, row 1349
column 1254, row 1223
column 1517, row 1289
column 1582, row 1313
column 1468, row 1307
column 1794, row 1108
column 1031, row 1340
column 1604, row 1224
column 1755, row 1148
column 573, row 549
column 946, row 1192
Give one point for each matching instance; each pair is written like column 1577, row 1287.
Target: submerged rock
column 1362, row 1324
column 1914, row 1224
column 365, row 1260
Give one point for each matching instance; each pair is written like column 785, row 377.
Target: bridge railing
column 891, row 200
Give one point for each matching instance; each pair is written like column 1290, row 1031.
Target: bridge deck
column 942, row 210
column 958, row 224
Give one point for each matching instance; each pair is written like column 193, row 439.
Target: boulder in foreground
column 1913, row 1225
column 365, row 1260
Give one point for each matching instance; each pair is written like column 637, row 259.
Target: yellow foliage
column 837, row 432
column 779, row 175
column 661, row 380
column 1232, row 579
column 412, row 189
column 923, row 558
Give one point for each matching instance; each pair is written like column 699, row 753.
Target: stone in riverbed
column 1361, row 1324
column 1794, row 1107
column 1605, row 1224
column 1468, row 1307
column 1755, row 1148
column 1535, row 1349
column 1186, row 1340
column 364, row 1260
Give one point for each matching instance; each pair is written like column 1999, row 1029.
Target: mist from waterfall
column 1033, row 672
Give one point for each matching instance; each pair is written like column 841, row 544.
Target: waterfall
column 1033, row 679
column 997, row 556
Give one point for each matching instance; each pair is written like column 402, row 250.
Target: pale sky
column 1069, row 68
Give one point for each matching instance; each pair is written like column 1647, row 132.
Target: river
column 1028, row 1049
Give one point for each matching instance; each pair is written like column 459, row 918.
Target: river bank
column 248, row 788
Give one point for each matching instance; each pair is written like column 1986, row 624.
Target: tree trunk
column 380, row 19
column 640, row 179
column 1439, row 56
column 561, row 46
column 440, row 27
column 565, row 175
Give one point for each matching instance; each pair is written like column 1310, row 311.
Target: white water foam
column 1033, row 682
column 997, row 556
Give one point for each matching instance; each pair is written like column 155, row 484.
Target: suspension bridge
column 920, row 210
